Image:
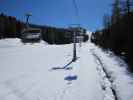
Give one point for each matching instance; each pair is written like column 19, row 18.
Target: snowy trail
column 25, row 73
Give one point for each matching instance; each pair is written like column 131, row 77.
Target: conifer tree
column 116, row 11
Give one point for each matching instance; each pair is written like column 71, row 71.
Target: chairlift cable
column 76, row 11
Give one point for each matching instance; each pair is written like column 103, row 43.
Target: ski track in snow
column 25, row 73
column 106, row 84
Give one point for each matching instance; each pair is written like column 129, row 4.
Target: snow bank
column 8, row 43
column 16, row 42
column 120, row 77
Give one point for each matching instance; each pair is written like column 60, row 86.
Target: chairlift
column 30, row 35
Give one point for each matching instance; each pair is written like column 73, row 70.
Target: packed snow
column 26, row 73
column 122, row 80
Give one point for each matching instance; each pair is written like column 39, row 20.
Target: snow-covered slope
column 26, row 72
column 89, row 34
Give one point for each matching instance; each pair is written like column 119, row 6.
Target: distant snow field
column 26, row 73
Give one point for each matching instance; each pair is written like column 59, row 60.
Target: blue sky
column 60, row 13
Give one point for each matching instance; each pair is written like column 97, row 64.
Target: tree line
column 10, row 27
column 117, row 34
